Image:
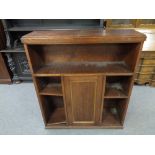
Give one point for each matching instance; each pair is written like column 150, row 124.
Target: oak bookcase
column 83, row 78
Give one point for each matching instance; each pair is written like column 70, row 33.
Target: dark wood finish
column 96, row 58
column 52, row 89
column 83, row 78
column 49, row 86
column 58, row 117
column 114, row 111
column 82, row 99
column 110, row 115
column 88, row 68
column 83, row 36
column 114, row 93
column 4, row 73
column 117, row 86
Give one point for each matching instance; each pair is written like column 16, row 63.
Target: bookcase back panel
column 87, row 53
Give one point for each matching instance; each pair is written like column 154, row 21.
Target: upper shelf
column 57, row 69
column 83, row 36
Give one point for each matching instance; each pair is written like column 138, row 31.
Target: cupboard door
column 83, row 98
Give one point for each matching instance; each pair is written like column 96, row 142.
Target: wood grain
column 73, row 69
column 83, row 36
column 5, row 77
column 82, row 99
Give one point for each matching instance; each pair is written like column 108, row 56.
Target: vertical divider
column 68, row 112
column 102, row 105
column 100, row 98
column 64, row 100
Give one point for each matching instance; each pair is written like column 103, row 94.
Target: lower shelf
column 113, row 111
column 64, row 126
column 52, row 89
column 110, row 117
column 57, row 120
column 54, row 110
column 114, row 93
column 57, row 117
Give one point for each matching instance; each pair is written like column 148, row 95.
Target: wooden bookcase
column 83, row 78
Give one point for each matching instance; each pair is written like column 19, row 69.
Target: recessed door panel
column 83, row 97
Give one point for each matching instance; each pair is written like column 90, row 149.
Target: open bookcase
column 83, row 78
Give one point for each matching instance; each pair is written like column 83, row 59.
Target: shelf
column 117, row 86
column 110, row 117
column 115, row 91
column 13, row 50
column 109, row 68
column 57, row 117
column 52, row 89
column 37, row 28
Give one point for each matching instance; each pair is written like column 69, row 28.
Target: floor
column 20, row 114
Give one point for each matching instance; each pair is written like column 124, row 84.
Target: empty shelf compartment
column 55, row 111
column 117, row 86
column 113, row 112
column 50, row 86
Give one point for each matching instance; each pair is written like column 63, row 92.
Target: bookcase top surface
column 83, row 36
